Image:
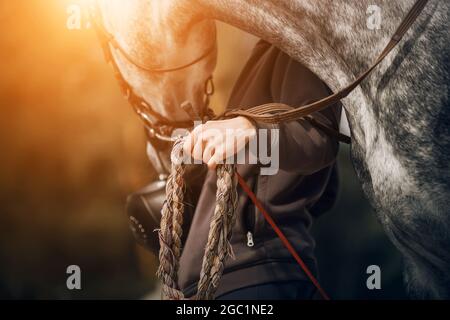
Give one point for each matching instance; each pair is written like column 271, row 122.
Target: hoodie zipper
column 250, row 225
column 250, row 242
column 251, row 221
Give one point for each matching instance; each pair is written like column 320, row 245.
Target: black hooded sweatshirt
column 307, row 158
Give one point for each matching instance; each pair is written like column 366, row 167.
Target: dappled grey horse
column 399, row 117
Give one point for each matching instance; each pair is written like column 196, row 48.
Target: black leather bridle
column 158, row 127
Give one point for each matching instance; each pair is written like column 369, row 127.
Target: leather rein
column 276, row 113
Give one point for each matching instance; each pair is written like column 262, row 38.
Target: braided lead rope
column 170, row 236
column 218, row 247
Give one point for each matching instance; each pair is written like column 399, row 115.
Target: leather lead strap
column 282, row 237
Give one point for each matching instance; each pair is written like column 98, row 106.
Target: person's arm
column 304, row 148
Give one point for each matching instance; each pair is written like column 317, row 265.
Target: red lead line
column 281, row 235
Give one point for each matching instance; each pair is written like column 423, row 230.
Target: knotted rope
column 218, row 247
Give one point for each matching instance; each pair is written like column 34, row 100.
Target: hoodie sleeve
column 302, row 148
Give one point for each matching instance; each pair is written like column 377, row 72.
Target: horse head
column 164, row 51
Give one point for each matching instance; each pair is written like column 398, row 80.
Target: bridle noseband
column 157, row 125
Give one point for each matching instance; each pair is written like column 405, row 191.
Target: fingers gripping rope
column 218, row 247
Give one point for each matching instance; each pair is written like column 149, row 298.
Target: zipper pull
column 250, row 242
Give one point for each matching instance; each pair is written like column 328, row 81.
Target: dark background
column 71, row 149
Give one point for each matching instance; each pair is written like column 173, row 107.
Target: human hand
column 215, row 141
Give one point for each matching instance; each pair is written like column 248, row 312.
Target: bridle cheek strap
column 157, row 126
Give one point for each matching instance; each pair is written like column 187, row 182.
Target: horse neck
column 329, row 37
